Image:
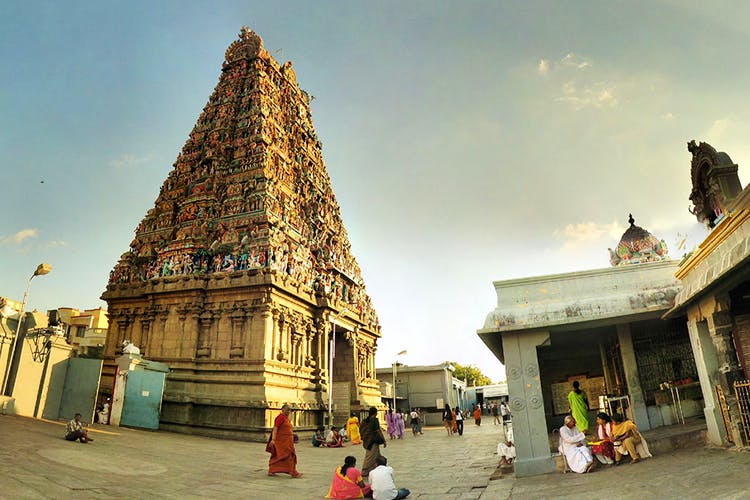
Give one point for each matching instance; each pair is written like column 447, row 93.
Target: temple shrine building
column 241, row 277
column 654, row 339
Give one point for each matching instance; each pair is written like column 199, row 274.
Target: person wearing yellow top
column 627, row 440
column 352, row 429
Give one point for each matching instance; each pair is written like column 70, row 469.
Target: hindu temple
column 241, row 277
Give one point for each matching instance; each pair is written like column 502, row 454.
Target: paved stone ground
column 684, row 474
column 127, row 463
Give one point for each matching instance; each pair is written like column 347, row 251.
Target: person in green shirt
column 579, row 407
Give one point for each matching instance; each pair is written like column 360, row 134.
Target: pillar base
column 535, row 466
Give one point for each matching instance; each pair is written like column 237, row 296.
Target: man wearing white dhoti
column 573, row 446
column 506, row 449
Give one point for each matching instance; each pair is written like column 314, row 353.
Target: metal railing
column 742, row 393
column 724, row 408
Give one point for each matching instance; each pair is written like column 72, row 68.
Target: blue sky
column 466, row 142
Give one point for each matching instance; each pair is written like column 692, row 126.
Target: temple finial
column 631, row 220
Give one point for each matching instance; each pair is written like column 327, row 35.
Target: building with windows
column 85, row 331
column 428, row 387
column 601, row 327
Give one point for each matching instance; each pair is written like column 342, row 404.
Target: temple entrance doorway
column 344, row 381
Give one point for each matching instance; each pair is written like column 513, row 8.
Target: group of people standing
column 348, row 481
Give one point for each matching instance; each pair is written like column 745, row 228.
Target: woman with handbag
column 372, row 438
column 281, row 446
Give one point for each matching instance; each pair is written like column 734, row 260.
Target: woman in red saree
column 603, row 448
column 281, row 446
column 347, row 482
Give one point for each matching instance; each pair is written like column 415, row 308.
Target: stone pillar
column 707, row 364
column 526, row 402
column 146, row 322
column 122, row 326
column 630, row 367
column 720, row 325
column 237, row 342
column 267, row 327
column 203, row 347
column 606, row 368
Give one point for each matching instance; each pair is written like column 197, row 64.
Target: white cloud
column 56, row 243
column 574, row 61
column 668, row 116
column 127, row 161
column 543, row 67
column 19, row 237
column 717, row 130
column 598, row 95
column 584, row 235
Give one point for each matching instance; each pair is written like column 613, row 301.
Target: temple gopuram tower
column 241, row 277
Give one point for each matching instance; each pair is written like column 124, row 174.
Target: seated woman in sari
column 628, row 441
column 334, row 438
column 347, row 482
column 603, row 449
column 352, row 429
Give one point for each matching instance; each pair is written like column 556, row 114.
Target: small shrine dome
column 638, row 246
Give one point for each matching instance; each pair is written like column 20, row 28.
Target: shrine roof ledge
column 583, row 296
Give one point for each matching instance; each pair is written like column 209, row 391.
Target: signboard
column 496, row 390
column 439, row 403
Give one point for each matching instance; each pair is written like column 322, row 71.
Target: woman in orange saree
column 281, row 446
column 352, row 429
column 347, row 482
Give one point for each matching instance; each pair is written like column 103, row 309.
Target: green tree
column 470, row 373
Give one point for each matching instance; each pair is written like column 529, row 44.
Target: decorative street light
column 331, row 355
column 395, row 364
column 41, row 270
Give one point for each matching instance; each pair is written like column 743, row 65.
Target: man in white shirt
column 381, row 482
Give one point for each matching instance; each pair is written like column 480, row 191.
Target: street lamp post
column 395, row 364
column 41, row 270
column 331, row 354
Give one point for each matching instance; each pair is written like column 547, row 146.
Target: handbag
column 270, row 448
column 379, row 437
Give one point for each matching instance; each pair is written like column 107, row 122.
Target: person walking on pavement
column 459, row 420
column 505, row 412
column 414, row 416
column 399, row 424
column 495, row 414
column 281, row 446
column 448, row 419
column 372, row 438
column 390, row 423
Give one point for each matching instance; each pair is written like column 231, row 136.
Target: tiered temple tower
column 241, row 278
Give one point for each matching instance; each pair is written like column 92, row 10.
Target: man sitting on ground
column 318, row 440
column 381, row 481
column 506, row 449
column 75, row 430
